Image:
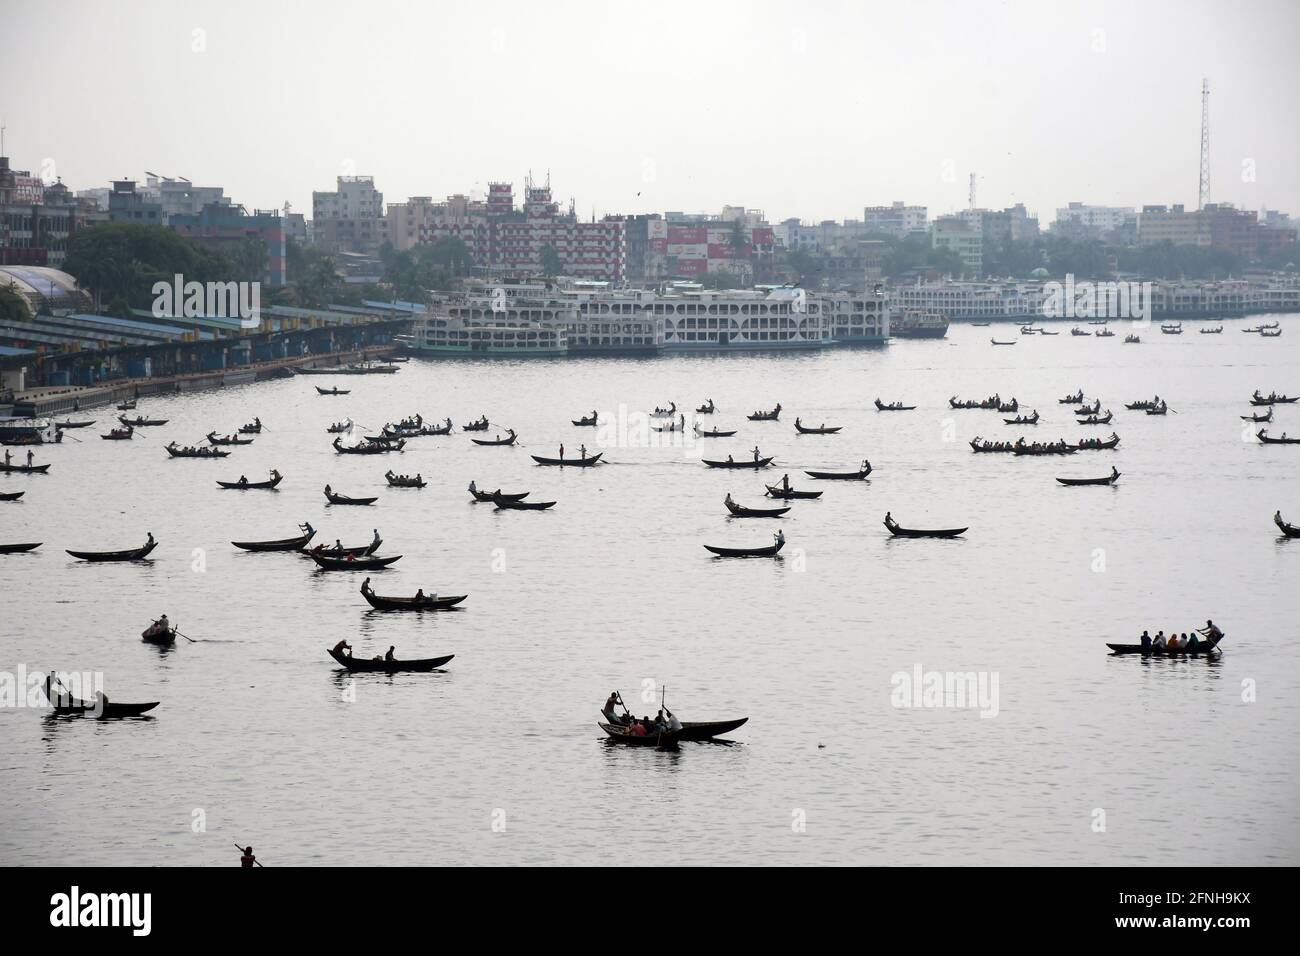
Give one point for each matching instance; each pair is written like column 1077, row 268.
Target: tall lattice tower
column 1203, row 197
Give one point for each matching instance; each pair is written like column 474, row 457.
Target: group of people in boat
column 9, row 462
column 1271, row 397
column 993, row 401
column 191, row 451
column 757, row 456
column 776, row 410
column 254, row 426
column 158, row 628
column 582, row 454
column 664, row 722
column 663, row 412
column 675, row 426
column 1181, row 643
column 404, row 479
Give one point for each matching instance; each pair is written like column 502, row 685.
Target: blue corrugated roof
column 9, row 350
column 114, row 322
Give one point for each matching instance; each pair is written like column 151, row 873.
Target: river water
column 1078, row 758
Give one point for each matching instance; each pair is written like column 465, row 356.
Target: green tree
column 13, row 306
column 550, row 260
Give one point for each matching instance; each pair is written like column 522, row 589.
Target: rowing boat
column 789, row 494
column 570, row 462
column 740, row 511
column 893, row 407
column 1288, row 529
column 72, row 424
column 1098, row 419
column 514, row 504
column 163, row 636
column 1262, row 435
column 479, row 426
column 356, row 664
column 822, row 430
column 899, row 531
column 333, row 391
column 19, row 548
column 585, row 422
column 11, row 495
column 770, row 551
column 176, row 451
column 1107, row 480
column 283, row 544
column 336, row 499
column 133, row 554
column 342, row 550
column 771, row 416
column 405, row 481
column 510, row 440
column 1206, row 647
column 23, row 469
column 429, row 602
column 488, row 496
column 706, row 409
column 214, row 439
column 716, row 433
column 623, row 735
column 841, row 475
column 353, row 563
column 119, row 434
column 65, row 705
column 251, row 485
column 730, row 463
column 1267, row 417
column 1023, row 420
column 708, row 729
column 141, row 422
column 370, row 448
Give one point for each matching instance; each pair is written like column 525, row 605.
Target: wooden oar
column 179, row 634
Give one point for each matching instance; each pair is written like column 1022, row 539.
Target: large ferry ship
column 438, row 333
column 919, row 324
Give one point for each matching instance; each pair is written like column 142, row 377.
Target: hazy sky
column 809, row 109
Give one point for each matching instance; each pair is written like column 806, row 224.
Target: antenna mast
column 972, row 190
column 1203, row 198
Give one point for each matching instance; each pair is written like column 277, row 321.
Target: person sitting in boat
column 1146, row 642
column 1159, row 643
column 1193, row 642
column 1172, row 645
column 730, row 459
column 343, row 645
column 365, row 586
column 389, row 656
column 637, row 729
column 328, row 491
column 351, row 557
column 242, row 480
column 419, row 595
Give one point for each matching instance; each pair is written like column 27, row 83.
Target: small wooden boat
column 771, row 416
column 820, row 430
column 1264, row 438
column 356, row 664
column 336, row 499
column 1108, row 480
column 790, row 494
column 1075, row 399
column 745, row 463
column 491, row 496
column 708, row 729
column 132, row 554
column 1172, row 329
column 70, row 424
column 428, row 602
column 1022, row 448
column 353, row 563
column 157, row 634
column 1288, row 529
column 405, row 481
column 11, row 495
column 6, row 468
column 516, row 504
column 899, row 531
column 176, row 451
column 1045, row 332
column 767, row 552
column 1266, row 334
column 706, row 409
column 19, row 548
column 623, row 735
column 1097, row 419
column 119, row 434
column 333, row 391
column 283, row 544
column 1023, row 419
column 980, row 325
column 669, row 412
column 996, row 342
column 1213, row 331
column 1206, row 648
column 342, row 550
column 587, row 462
column 339, row 428
column 479, row 426
column 252, row 428
column 509, row 440
column 1079, row 331
column 1105, row 334
column 893, row 407
column 715, row 433
column 1266, row 417
column 127, row 406
column 1092, row 409
column 215, row 439
column 368, row 448
column 588, row 421
column 141, row 422
column 65, row 705
column 1097, row 444
column 247, row 485
column 1139, row 406
column 1132, row 339
column 1259, row 401
column 739, row 511
column 842, row 475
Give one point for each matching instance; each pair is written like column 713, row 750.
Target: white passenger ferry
column 439, row 333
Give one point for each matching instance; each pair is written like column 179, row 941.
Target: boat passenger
column 1159, row 643
column 674, row 724
column 473, row 489
column 1146, row 642
column 638, row 729
column 247, row 861
column 1193, row 642
column 419, row 594
column 561, row 452
column 342, row 646
column 1172, row 644
column 389, row 656
column 243, row 480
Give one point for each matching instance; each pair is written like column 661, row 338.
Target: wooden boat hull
column 405, row 484
column 333, row 391
column 111, row 437
column 506, row 504
column 24, row 469
column 882, row 407
column 355, row 564
column 1075, row 482
column 360, row 665
column 900, row 532
column 708, row 729
column 209, row 453
column 752, row 463
column 214, row 440
column 623, row 736
column 737, row 511
column 19, row 548
column 63, row 425
column 492, row 441
column 818, row 431
column 1262, row 435
column 135, row 554
column 569, row 462
column 381, row 603
column 1204, row 649
column 768, row 552
column 714, row 434
column 163, row 639
column 584, row 423
column 489, row 497
column 112, row 711
column 1289, row 530
column 839, row 475
column 11, row 495
column 775, row 491
column 284, row 544
column 345, row 500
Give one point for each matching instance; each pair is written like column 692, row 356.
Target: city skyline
column 672, row 117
